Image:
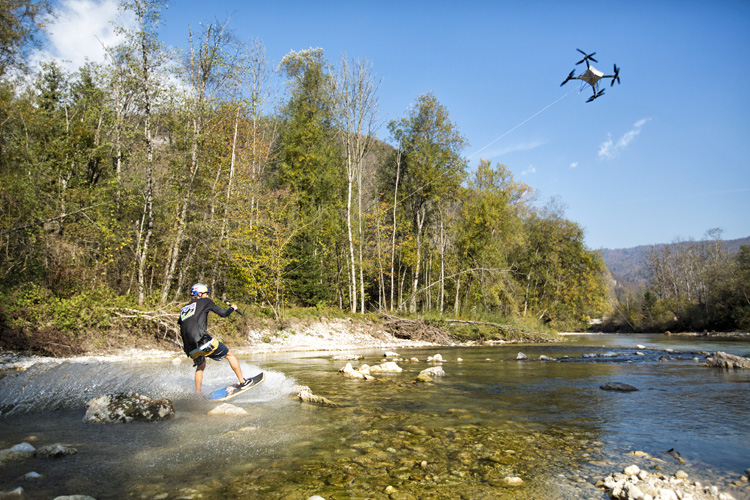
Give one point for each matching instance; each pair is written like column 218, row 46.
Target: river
column 490, row 417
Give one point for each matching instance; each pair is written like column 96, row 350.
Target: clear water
column 490, row 417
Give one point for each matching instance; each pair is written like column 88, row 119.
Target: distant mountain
column 628, row 265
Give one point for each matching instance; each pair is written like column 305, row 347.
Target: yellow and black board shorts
column 214, row 349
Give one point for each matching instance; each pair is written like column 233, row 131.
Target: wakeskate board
column 233, row 390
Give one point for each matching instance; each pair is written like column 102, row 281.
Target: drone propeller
column 616, row 76
column 569, row 78
column 586, row 57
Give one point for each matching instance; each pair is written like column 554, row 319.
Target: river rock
column 124, row 408
column 388, row 367
column 55, row 451
column 632, row 470
column 305, row 394
column 435, row 371
column 361, row 373
column 15, row 493
column 437, row 358
column 228, row 409
column 521, row 356
column 618, row 386
column 349, row 372
column 17, row 452
column 75, row 497
column 347, row 357
column 511, row 482
column 729, row 361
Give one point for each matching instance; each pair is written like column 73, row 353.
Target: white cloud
column 80, row 30
column 610, row 149
column 574, row 164
column 530, row 170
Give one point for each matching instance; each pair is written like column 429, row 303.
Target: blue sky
column 663, row 156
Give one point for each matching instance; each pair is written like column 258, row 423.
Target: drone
column 592, row 75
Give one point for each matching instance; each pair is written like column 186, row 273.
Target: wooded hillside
column 684, row 285
column 123, row 183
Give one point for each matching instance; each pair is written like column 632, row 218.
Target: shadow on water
column 489, row 418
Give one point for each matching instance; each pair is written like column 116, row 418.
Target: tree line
column 691, row 286
column 129, row 180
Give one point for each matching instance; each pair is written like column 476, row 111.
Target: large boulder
column 124, row 408
column 724, row 360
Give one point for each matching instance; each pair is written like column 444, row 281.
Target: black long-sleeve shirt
column 194, row 322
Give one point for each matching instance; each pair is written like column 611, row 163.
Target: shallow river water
column 490, row 417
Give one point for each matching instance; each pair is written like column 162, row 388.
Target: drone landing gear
column 597, row 94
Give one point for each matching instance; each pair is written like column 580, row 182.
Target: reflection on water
column 491, row 417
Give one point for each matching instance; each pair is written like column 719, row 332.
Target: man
column 196, row 341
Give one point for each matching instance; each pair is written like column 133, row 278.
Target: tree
column 143, row 40
column 432, row 168
column 209, row 66
column 308, row 165
column 564, row 281
column 20, row 25
column 356, row 108
column 490, row 231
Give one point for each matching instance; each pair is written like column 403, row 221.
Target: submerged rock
column 55, row 451
column 124, row 408
column 228, row 409
column 16, row 493
column 305, row 395
column 618, row 386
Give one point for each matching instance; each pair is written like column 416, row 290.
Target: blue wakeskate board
column 233, row 390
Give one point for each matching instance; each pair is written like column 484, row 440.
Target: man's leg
column 199, row 376
column 235, row 366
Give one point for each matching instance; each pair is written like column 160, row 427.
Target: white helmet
column 198, row 289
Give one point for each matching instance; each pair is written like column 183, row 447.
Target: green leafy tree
column 490, row 232
column 565, row 281
column 431, row 167
column 309, row 166
column 20, row 26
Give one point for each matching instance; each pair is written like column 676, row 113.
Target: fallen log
column 419, row 330
column 483, row 323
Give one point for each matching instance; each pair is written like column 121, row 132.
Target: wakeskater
column 198, row 344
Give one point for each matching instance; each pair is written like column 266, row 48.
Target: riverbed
column 490, row 418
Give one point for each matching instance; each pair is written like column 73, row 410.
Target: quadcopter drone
column 592, row 75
